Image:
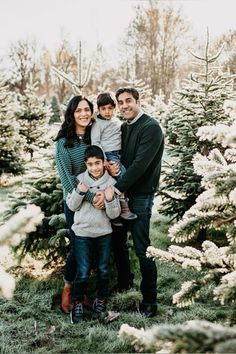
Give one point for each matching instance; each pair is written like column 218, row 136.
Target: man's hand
column 99, row 200
column 113, row 168
column 109, row 193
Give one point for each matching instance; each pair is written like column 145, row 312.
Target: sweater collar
column 100, row 117
column 94, row 182
column 136, row 118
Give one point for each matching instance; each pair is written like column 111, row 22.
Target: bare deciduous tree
column 65, row 61
column 153, row 42
column 24, row 64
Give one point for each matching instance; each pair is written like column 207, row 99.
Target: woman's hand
column 82, row 187
column 113, row 168
column 99, row 200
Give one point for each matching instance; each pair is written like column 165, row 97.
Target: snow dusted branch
column 191, row 337
column 21, row 223
column 215, row 208
column 17, row 226
column 214, row 262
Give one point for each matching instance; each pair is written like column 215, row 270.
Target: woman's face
column 83, row 116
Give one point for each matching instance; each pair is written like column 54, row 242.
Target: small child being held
column 106, row 132
column 93, row 230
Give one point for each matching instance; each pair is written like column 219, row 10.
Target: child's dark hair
column 94, row 151
column 105, row 98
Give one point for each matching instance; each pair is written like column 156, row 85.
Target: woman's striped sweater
column 70, row 163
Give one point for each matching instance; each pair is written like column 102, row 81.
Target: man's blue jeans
column 140, row 204
column 84, row 249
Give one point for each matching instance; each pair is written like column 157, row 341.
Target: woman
column 71, row 142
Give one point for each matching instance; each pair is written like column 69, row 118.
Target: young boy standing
column 106, row 133
column 93, row 230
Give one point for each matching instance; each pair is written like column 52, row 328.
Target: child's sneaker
column 126, row 214
column 77, row 312
column 99, row 307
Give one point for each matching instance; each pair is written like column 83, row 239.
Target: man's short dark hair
column 105, row 98
column 131, row 90
column 94, row 151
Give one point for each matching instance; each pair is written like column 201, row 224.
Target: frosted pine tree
column 41, row 187
column 190, row 337
column 33, row 114
column 56, row 111
column 14, row 229
column 215, row 208
column 82, row 76
column 199, row 102
column 10, row 140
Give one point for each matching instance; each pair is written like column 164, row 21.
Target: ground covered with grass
column 31, row 322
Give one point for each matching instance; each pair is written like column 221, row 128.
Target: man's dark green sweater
column 142, row 150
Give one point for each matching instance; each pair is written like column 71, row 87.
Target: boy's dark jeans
column 140, row 204
column 84, row 250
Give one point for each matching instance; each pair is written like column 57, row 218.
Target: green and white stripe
column 70, row 163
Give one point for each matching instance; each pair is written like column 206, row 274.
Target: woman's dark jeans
column 140, row 204
column 70, row 266
column 85, row 248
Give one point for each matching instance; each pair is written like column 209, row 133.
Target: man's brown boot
column 66, row 304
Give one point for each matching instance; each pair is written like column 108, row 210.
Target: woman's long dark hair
column 68, row 127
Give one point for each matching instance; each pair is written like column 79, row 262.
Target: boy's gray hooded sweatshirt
column 89, row 221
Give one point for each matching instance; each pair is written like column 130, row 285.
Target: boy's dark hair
column 94, row 151
column 105, row 98
column 131, row 90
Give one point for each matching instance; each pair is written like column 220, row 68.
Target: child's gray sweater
column 90, row 221
column 106, row 133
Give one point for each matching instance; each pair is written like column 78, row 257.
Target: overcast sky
column 97, row 20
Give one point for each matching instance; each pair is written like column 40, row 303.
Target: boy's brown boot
column 66, row 304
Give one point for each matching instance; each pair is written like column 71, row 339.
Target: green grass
column 32, row 322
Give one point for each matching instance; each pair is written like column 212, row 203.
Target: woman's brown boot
column 66, row 304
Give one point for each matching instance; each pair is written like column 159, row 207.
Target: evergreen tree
column 199, row 102
column 41, row 187
column 82, row 77
column 190, row 337
column 33, row 115
column 56, row 112
column 18, row 225
column 215, row 208
column 10, row 141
